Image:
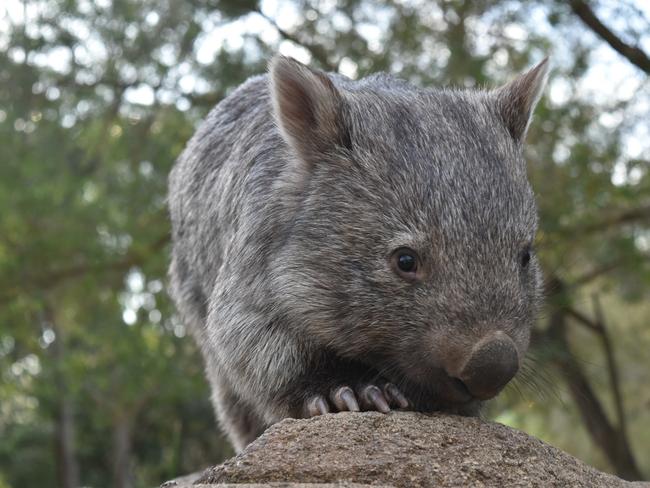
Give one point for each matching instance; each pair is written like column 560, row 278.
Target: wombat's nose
column 493, row 362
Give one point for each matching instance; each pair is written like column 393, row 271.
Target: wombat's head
column 411, row 248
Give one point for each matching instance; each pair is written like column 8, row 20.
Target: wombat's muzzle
column 492, row 363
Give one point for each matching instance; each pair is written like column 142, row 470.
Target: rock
column 177, row 484
column 401, row 449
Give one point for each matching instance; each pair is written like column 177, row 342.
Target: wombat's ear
column 516, row 100
column 308, row 108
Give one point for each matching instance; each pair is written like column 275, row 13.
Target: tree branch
column 622, row 217
column 634, row 55
column 314, row 49
column 609, row 438
column 612, row 366
column 597, row 326
column 583, row 319
column 57, row 276
column 596, row 273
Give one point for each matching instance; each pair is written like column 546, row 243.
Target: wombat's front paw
column 364, row 397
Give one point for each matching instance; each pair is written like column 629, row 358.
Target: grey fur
column 283, row 233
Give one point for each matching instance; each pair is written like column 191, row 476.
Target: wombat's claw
column 317, row 406
column 394, row 393
column 372, row 398
column 344, row 399
column 369, row 397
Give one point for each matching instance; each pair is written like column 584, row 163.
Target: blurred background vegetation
column 99, row 384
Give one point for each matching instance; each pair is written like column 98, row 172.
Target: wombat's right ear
column 308, row 108
column 516, row 100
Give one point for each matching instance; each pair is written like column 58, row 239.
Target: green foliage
column 98, row 98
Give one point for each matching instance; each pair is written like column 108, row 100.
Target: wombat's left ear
column 516, row 100
column 307, row 107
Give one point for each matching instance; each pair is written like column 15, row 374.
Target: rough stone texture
column 402, row 449
column 178, row 484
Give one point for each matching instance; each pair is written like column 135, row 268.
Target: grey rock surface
column 401, row 449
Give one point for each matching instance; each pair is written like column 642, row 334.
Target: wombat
column 346, row 245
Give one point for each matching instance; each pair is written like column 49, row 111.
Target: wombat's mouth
column 472, row 374
column 456, row 391
column 453, row 391
column 438, row 391
column 460, row 388
column 435, row 390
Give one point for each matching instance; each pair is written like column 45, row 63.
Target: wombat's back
column 219, row 191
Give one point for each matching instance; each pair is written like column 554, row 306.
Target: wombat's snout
column 492, row 363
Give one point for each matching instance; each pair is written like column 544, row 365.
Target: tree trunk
column 66, row 459
column 610, row 439
column 122, row 439
column 67, row 466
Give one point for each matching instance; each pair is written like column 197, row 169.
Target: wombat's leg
column 188, row 296
column 235, row 416
column 337, row 385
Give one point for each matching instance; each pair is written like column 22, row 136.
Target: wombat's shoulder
column 237, row 123
column 245, row 99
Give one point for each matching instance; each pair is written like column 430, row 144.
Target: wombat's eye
column 405, row 262
column 525, row 257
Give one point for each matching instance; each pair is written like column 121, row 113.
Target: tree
column 99, row 383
